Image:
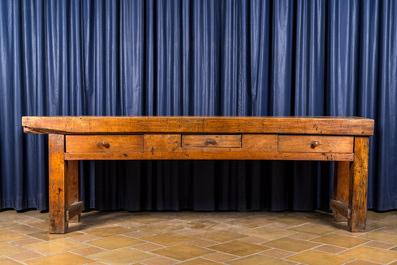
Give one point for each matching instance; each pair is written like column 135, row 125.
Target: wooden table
column 341, row 139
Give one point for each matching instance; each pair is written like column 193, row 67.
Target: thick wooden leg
column 73, row 186
column 57, row 184
column 359, row 185
column 341, row 188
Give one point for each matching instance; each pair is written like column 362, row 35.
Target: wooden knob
column 314, row 144
column 105, row 144
column 211, row 141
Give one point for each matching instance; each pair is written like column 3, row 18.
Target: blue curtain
column 222, row 58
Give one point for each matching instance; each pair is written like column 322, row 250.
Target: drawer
column 315, row 144
column 214, row 141
column 104, row 143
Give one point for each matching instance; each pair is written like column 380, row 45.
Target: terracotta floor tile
column 291, row 244
column 371, row 254
column 55, row 246
column 221, row 257
column 122, row 256
column 26, row 241
column 339, row 240
column 260, row 260
column 394, row 249
column 221, row 236
column 25, row 255
column 277, row 253
column 291, row 220
column 377, row 244
column 147, row 246
column 202, row 243
column 107, row 231
column 189, row 232
column 361, row 262
column 314, row 229
column 7, row 261
column 169, row 239
column 239, row 248
column 159, row 261
column 63, row 258
column 268, row 233
column 114, row 242
column 381, row 236
column 253, row 239
column 330, row 249
column 88, row 251
column 182, row 252
column 7, row 248
column 47, row 236
column 252, row 222
column 25, row 229
column 6, row 235
column 138, row 234
column 200, row 262
column 313, row 257
column 85, row 237
column 303, row 236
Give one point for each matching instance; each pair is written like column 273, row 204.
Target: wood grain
column 341, row 187
column 215, row 141
column 327, row 144
column 73, row 186
column 359, row 185
column 222, row 125
column 104, row 143
column 57, row 184
column 260, row 142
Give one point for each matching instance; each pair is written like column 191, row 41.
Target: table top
column 188, row 124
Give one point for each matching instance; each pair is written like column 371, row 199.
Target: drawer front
column 260, row 142
column 104, row 143
column 214, row 141
column 315, row 144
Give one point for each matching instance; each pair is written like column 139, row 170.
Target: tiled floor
column 198, row 238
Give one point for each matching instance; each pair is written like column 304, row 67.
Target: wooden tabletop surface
column 226, row 125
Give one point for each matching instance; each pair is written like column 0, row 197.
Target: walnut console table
column 341, row 139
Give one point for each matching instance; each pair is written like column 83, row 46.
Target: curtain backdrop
column 221, row 58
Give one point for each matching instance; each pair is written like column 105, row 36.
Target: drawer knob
column 314, row 144
column 211, row 141
column 105, row 144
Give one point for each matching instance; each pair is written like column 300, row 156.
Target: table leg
column 57, row 184
column 341, row 187
column 73, row 184
column 359, row 185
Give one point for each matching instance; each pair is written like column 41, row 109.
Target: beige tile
column 107, row 231
column 312, row 257
column 64, row 259
column 25, row 229
column 277, row 253
column 114, row 242
column 303, row 236
column 394, row 249
column 252, row 222
column 221, row 236
column 239, row 248
column 291, row 220
column 168, row 239
column 122, row 256
column 339, row 240
column 88, row 251
column 7, row 261
column 260, row 260
column 138, row 234
column 7, row 248
column 6, row 235
column 330, row 249
column 199, row 262
column 314, row 229
column 147, row 246
column 182, row 252
column 55, row 246
column 159, row 261
column 85, row 237
column 268, row 233
column 377, row 244
column 291, row 244
column 371, row 254
column 253, row 239
column 382, row 236
column 27, row 241
column 221, row 257
column 25, row 255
